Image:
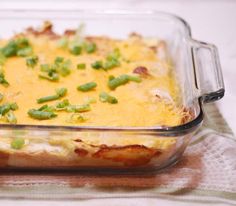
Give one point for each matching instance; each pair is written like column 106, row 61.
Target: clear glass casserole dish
column 116, row 149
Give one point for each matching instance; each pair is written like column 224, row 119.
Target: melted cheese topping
column 137, row 104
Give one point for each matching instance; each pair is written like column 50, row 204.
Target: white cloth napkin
column 205, row 174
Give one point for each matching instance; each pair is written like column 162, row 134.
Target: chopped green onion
column 111, row 77
column 64, row 68
column 121, row 80
column 109, row 64
column 59, row 93
column 1, row 97
column 87, row 87
column 4, row 109
column 7, row 107
column 62, row 105
column 60, row 66
column 104, row 97
column 3, row 81
column 45, row 67
column 43, row 108
column 135, row 79
column 118, row 81
column 81, row 66
column 2, row 58
column 58, row 60
column 14, row 106
column 51, row 76
column 112, row 60
column 47, row 108
column 75, row 49
column 47, row 99
column 51, row 72
column 75, row 118
column 97, row 65
column 90, row 47
column 78, row 108
column 18, row 47
column 41, row 115
column 65, row 105
column 11, row 118
column 10, row 49
column 22, row 43
column 32, row 61
column 17, row 143
column 25, row 52
column 114, row 55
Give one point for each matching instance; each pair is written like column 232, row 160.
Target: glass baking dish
column 118, row 149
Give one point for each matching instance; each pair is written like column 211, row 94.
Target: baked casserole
column 78, row 80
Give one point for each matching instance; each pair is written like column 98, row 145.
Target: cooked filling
column 72, row 79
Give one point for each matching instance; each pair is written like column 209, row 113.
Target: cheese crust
column 155, row 101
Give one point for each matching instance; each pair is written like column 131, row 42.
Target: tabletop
column 211, row 21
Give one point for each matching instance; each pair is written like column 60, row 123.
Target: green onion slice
column 5, row 108
column 60, row 67
column 2, row 58
column 17, row 47
column 17, row 143
column 90, row 47
column 11, row 118
column 32, row 61
column 58, row 60
column 64, row 67
column 1, row 97
column 3, row 81
column 62, row 105
column 81, row 66
column 118, row 81
column 41, row 115
column 113, row 83
column 47, row 98
column 78, row 108
column 77, row 118
column 50, row 76
column 135, row 78
column 25, row 52
column 75, row 49
column 87, row 87
column 59, row 93
column 105, row 97
column 110, row 64
column 47, row 108
column 97, row 65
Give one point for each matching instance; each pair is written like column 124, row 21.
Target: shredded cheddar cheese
column 137, row 103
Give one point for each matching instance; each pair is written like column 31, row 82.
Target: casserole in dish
column 102, row 100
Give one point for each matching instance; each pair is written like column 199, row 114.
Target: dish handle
column 209, row 78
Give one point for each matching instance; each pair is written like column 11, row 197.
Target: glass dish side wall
column 103, row 151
